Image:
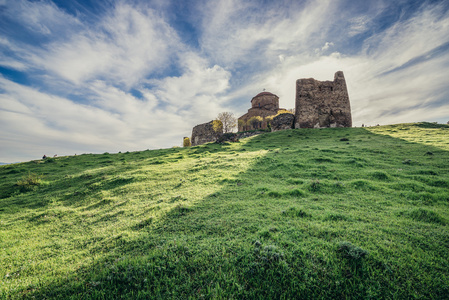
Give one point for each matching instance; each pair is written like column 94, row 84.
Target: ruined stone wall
column 283, row 122
column 204, row 133
column 322, row 103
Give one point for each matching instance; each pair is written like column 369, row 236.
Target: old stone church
column 264, row 104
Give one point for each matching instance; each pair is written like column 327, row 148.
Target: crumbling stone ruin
column 262, row 105
column 283, row 122
column 322, row 103
column 204, row 133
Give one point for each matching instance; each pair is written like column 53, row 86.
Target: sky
column 95, row 76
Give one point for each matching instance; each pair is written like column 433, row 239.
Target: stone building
column 204, row 133
column 263, row 105
column 322, row 103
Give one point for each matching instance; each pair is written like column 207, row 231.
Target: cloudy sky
column 90, row 76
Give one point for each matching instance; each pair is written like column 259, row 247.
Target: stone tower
column 322, row 103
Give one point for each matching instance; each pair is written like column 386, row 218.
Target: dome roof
column 264, row 94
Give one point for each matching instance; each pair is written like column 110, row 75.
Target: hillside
column 310, row 213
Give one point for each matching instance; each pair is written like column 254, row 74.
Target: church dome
column 264, row 94
column 265, row 100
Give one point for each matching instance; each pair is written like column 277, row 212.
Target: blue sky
column 107, row 76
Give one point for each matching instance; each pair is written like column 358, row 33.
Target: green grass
column 353, row 213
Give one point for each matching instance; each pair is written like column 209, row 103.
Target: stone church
column 264, row 104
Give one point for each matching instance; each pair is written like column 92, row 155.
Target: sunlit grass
column 431, row 134
column 328, row 213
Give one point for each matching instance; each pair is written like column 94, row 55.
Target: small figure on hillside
column 55, row 155
column 44, row 157
column 363, row 125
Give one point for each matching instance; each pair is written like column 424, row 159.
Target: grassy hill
column 337, row 213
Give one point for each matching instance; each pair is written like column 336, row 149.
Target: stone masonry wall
column 283, row 122
column 204, row 133
column 322, row 103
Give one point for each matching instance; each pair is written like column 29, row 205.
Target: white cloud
column 42, row 17
column 234, row 32
column 13, row 64
column 8, row 61
column 358, row 25
column 326, row 46
column 54, row 115
column 124, row 47
column 197, row 90
column 408, row 39
column 323, row 49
